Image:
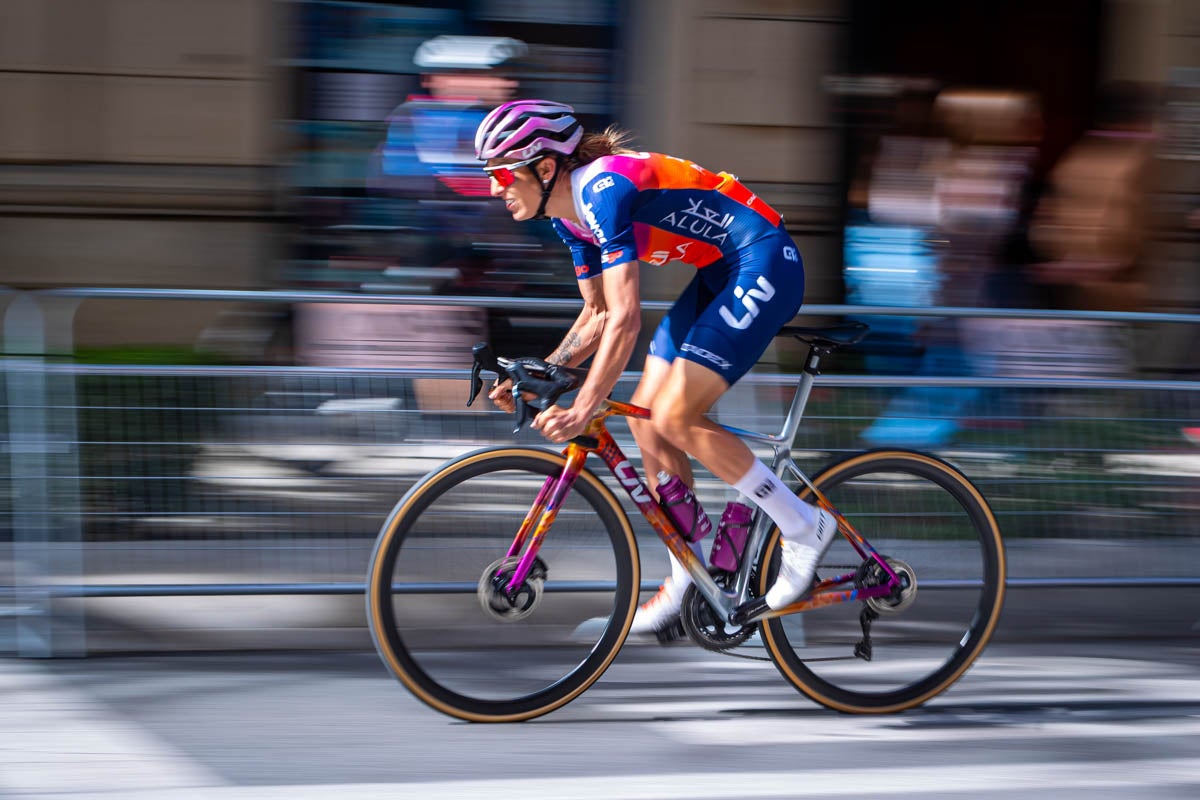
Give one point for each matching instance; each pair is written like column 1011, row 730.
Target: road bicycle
column 505, row 581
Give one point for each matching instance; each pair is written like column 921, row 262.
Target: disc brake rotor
column 871, row 574
column 497, row 603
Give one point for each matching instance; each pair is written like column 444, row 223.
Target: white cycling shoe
column 798, row 562
column 661, row 611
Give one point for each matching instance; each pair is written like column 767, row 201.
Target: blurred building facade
column 136, row 149
column 205, row 143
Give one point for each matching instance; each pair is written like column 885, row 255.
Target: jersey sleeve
column 606, row 207
column 584, row 255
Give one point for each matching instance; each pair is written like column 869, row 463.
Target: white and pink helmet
column 521, row 129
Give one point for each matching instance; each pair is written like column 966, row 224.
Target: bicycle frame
column 597, row 439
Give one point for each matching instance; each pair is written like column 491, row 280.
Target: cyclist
column 612, row 207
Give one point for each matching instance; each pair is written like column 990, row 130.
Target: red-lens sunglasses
column 504, row 174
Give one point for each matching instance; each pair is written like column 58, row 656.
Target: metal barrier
column 157, row 480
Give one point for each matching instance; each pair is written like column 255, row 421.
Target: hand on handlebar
column 501, row 395
column 560, row 424
column 539, row 384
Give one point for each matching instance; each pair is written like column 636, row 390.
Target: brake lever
column 482, row 358
column 546, row 390
column 476, row 383
column 521, row 380
column 522, row 410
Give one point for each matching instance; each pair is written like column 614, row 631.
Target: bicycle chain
column 732, row 651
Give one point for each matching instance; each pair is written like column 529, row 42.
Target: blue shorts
column 727, row 315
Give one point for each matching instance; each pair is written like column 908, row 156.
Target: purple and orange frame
column 597, row 439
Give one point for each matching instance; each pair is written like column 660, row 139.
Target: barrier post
column 42, row 451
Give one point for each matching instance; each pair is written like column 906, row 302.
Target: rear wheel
column 941, row 540
column 458, row 644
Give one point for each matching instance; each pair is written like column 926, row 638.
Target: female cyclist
column 613, row 207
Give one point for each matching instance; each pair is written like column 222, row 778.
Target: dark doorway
column 1050, row 47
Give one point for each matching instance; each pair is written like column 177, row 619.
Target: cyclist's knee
column 672, row 422
column 643, row 431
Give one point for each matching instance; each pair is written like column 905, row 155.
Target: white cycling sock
column 795, row 518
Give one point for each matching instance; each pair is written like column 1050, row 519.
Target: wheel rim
column 430, row 627
column 916, row 509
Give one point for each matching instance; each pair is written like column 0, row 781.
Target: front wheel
column 938, row 534
column 444, row 633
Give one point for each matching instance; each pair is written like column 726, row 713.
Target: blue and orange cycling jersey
column 655, row 208
column 658, row 208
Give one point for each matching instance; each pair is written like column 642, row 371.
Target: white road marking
column 988, row 778
column 58, row 744
column 1031, row 680
column 754, row 733
column 55, row 740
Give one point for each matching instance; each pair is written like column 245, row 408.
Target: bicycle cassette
column 871, row 574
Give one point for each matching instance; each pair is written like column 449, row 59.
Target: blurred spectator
column 1090, row 228
column 430, row 138
column 891, row 242
column 994, row 139
column 952, row 197
column 427, row 160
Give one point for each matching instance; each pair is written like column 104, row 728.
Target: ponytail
column 611, row 141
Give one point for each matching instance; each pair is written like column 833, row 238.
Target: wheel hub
column 903, row 596
column 505, row 606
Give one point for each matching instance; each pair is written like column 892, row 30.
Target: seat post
column 791, row 423
column 812, row 362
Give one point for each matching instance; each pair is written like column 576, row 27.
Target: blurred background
column 1014, row 154
column 246, row 247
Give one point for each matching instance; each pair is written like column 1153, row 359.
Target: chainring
column 497, row 603
column 703, row 626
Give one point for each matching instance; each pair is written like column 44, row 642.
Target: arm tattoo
column 567, row 350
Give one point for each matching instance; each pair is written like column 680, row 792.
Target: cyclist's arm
column 609, row 282
column 606, row 203
column 621, row 320
column 584, row 336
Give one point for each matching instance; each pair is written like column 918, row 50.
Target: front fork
column 541, row 516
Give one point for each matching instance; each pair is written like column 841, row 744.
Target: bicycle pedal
column 672, row 634
column 748, row 610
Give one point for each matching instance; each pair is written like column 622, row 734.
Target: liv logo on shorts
column 764, row 292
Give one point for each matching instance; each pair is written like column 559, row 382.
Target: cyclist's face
column 517, row 182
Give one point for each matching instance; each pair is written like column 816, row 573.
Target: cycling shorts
column 728, row 314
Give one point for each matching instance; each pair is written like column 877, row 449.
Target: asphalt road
column 1095, row 719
